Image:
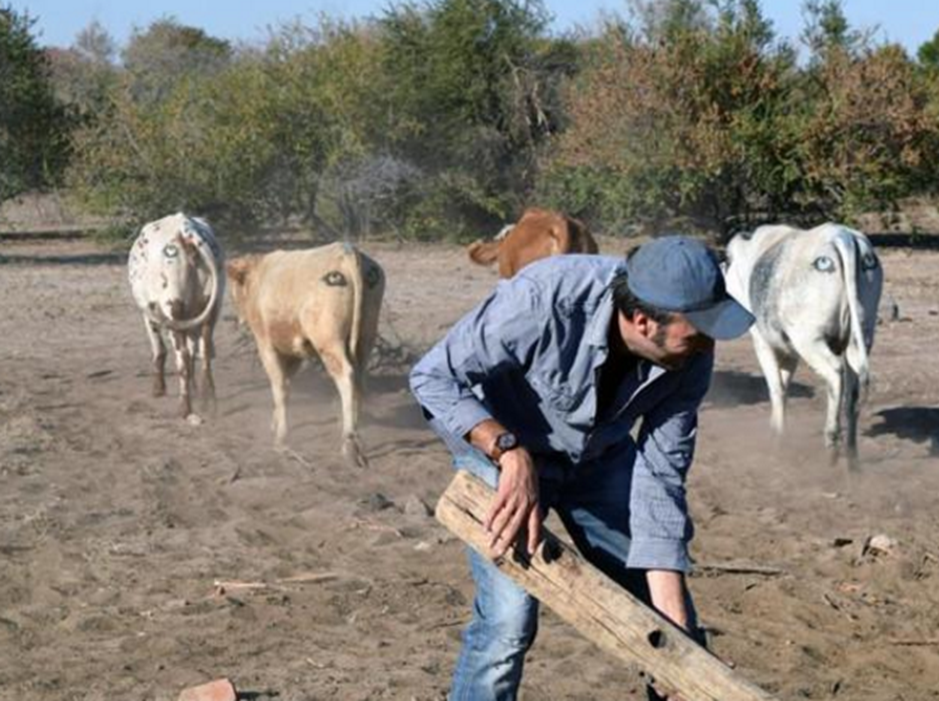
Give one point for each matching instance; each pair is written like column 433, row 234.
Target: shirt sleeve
column 659, row 522
column 498, row 335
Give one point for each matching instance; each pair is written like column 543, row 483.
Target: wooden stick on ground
column 601, row 610
column 718, row 568
column 222, row 586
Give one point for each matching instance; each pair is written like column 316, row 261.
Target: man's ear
column 644, row 324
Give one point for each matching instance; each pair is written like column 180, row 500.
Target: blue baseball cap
column 679, row 274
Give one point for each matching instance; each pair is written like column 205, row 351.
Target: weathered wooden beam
column 600, row 609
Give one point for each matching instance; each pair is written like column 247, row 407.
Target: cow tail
column 858, row 359
column 358, row 301
column 484, row 252
column 216, row 289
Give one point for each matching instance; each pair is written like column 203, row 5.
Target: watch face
column 506, row 441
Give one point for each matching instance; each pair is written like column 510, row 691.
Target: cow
column 321, row 302
column 175, row 272
column 538, row 234
column 815, row 295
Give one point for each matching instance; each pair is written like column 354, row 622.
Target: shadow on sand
column 918, row 424
column 730, row 388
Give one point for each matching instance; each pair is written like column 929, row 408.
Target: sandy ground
column 116, row 517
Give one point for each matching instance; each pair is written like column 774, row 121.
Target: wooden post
column 603, row 611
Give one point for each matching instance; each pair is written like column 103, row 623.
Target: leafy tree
column 928, row 53
column 866, row 136
column 168, row 52
column 84, row 75
column 473, row 87
column 33, row 140
column 680, row 120
column 247, row 143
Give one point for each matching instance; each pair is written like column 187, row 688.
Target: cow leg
column 278, row 370
column 207, row 352
column 341, row 369
column 158, row 357
column 787, row 368
column 851, row 403
column 184, row 367
column 770, row 365
column 830, row 368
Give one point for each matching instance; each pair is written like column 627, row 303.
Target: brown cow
column 538, row 234
column 322, row 301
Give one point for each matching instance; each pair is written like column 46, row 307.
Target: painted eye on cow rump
column 335, row 279
column 869, row 262
column 824, row 264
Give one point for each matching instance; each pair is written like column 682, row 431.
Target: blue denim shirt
column 530, row 357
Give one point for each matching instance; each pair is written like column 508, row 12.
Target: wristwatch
column 504, row 442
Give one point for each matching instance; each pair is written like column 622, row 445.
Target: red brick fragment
column 219, row 690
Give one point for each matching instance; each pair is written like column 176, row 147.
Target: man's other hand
column 515, row 505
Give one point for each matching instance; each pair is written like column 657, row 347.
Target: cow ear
column 237, row 269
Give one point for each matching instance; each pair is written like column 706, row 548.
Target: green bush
column 34, row 126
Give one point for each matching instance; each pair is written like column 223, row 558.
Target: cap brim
column 725, row 320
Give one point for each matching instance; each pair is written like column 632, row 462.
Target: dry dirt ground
column 117, row 518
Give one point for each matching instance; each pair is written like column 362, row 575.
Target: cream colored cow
column 175, row 276
column 323, row 301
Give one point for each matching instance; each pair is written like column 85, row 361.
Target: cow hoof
column 194, row 420
column 353, row 453
column 854, row 465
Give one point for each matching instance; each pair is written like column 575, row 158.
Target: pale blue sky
column 909, row 22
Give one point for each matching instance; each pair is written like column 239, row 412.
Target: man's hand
column 666, row 694
column 516, row 503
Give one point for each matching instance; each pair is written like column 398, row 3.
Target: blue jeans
column 592, row 501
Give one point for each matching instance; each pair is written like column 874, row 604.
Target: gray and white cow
column 175, row 271
column 814, row 294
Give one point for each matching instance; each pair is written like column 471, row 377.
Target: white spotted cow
column 323, row 301
column 814, row 294
column 175, row 271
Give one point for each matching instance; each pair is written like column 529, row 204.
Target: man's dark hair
column 628, row 304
